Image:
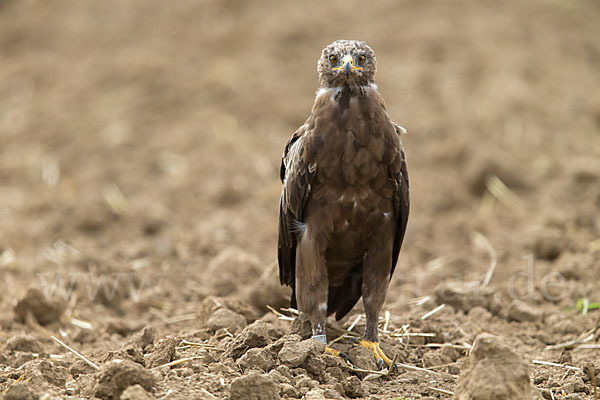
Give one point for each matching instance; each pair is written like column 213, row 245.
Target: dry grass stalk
column 337, row 339
column 56, row 357
column 553, row 364
column 393, row 364
column 441, row 390
column 81, row 324
column 71, row 305
column 353, row 324
column 482, row 242
column 419, row 301
column 383, row 372
column 413, row 368
column 196, row 344
column 444, row 365
column 387, row 321
column 180, row 318
column 503, row 193
column 291, row 310
column 156, row 312
column 566, row 374
column 430, row 313
column 464, row 346
column 594, row 246
column 227, row 332
column 115, row 199
column 280, row 315
column 88, row 362
column 177, row 362
column 589, row 346
column 586, row 337
column 343, row 331
column 593, row 378
column 414, row 334
column 166, row 394
column 207, row 393
column 16, row 381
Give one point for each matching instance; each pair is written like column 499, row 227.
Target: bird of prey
column 344, row 203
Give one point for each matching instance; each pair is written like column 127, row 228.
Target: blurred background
column 146, row 136
column 140, row 144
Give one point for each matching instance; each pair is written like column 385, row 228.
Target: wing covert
column 297, row 174
column 401, row 204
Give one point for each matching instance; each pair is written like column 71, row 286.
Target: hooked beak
column 348, row 65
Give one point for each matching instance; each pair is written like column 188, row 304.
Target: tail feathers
column 343, row 298
column 293, row 303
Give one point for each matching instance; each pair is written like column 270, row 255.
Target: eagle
column 344, row 202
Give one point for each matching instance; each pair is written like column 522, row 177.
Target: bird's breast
column 354, row 139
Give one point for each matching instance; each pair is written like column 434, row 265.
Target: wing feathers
column 297, row 175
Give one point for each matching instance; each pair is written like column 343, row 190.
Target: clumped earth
column 139, row 157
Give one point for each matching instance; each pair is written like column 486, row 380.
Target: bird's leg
column 375, row 284
column 312, row 287
column 312, row 284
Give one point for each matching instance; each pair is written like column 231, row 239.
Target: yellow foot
column 337, row 353
column 380, row 356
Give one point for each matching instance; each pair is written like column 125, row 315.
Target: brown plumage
column 344, row 203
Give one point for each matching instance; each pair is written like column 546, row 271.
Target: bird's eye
column 333, row 59
column 362, row 59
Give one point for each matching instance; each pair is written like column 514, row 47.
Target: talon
column 380, row 356
column 340, row 354
column 333, row 352
column 346, row 357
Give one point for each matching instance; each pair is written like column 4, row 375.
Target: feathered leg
column 312, row 284
column 376, row 277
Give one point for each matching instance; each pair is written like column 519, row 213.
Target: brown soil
column 139, row 152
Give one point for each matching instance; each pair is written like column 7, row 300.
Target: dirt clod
column 222, row 271
column 288, row 390
column 550, row 245
column 115, row 376
column 353, row 387
column 225, row 318
column 136, row 392
column 254, row 386
column 24, row 343
column 294, row 352
column 164, row 353
column 20, row 391
column 301, row 326
column 463, row 297
column 362, row 358
column 35, row 303
column 483, row 167
column 315, row 394
column 254, row 335
column 522, row 312
column 144, row 338
column 493, row 371
column 259, row 358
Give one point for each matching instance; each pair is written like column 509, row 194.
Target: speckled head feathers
column 357, row 57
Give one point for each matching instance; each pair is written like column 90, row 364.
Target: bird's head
column 347, row 62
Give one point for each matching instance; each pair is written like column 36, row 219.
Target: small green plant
column 584, row 305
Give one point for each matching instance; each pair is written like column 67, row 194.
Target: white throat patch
column 333, row 92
